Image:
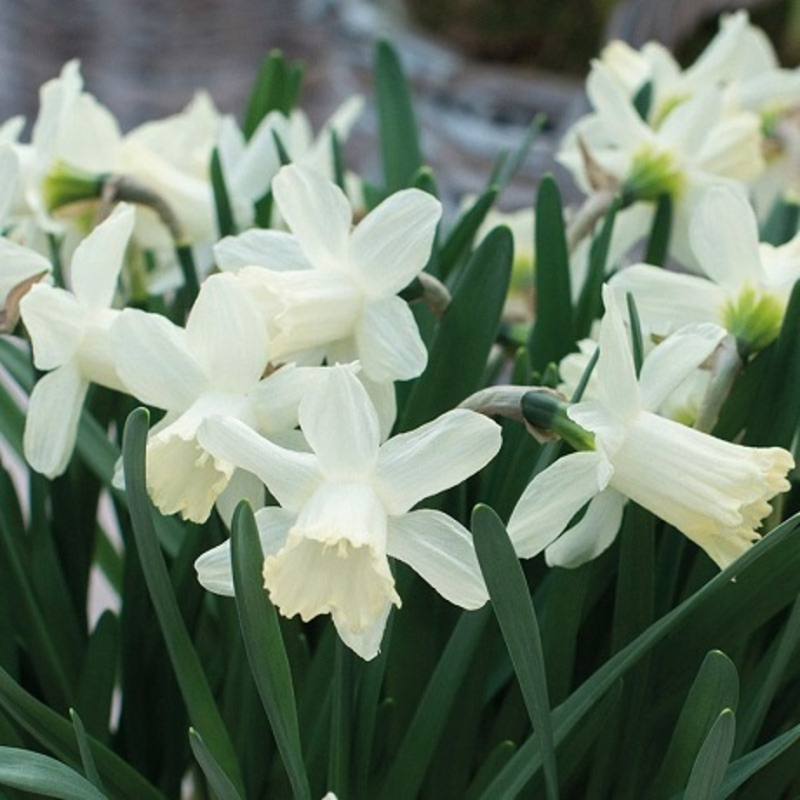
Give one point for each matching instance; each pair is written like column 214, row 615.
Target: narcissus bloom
column 346, row 508
column 214, row 366
column 715, row 492
column 747, row 284
column 331, row 288
column 70, row 336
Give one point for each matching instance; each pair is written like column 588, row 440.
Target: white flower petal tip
column 214, row 570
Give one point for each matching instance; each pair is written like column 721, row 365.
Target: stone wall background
column 145, row 58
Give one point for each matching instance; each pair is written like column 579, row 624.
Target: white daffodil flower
column 738, row 51
column 746, row 285
column 250, row 166
column 345, row 509
column 213, row 366
column 69, row 332
column 715, row 492
column 700, row 142
column 332, row 289
column 688, row 349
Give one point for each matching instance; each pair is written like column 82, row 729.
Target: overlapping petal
column 317, row 212
column 388, row 341
column 154, row 361
column 51, row 424
column 592, row 535
column 434, row 457
column 553, row 498
column 97, row 261
column 441, row 551
column 290, row 476
column 341, row 425
column 392, row 244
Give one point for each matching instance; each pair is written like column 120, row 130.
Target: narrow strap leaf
column 34, row 772
column 55, row 733
column 401, row 155
column 85, row 749
column 222, row 201
column 264, row 644
column 712, row 760
column 553, row 334
column 189, row 672
column 218, row 781
column 513, row 607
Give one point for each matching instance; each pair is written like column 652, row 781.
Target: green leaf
column 722, row 602
column 745, row 767
column 778, row 662
column 553, row 334
column 660, row 232
column 417, row 748
column 637, row 342
column 85, row 749
column 401, row 155
column 192, row 680
column 507, row 168
column 458, row 242
column 590, row 302
column 782, row 222
column 712, row 760
column 776, row 410
column 643, row 99
column 715, row 689
column 340, row 749
column 264, row 644
column 513, row 607
column 222, row 201
column 276, row 88
column 98, row 676
column 32, row 625
column 58, row 735
column 34, row 772
column 218, row 781
column 461, row 347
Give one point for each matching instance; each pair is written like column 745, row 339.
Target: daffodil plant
column 271, row 527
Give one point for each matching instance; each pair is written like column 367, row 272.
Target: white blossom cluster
column 282, row 374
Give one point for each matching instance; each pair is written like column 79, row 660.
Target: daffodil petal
column 153, row 360
column 51, row 424
column 667, row 300
column 434, row 457
column 441, row 551
column 289, row 475
column 225, row 334
column 674, row 359
column 19, row 264
column 724, row 237
column 341, row 425
column 392, row 244
column 317, row 212
column 552, row 498
column 617, row 386
column 367, row 643
column 276, row 250
column 389, row 345
column 214, row 569
column 591, row 536
column 98, row 258
column 54, row 319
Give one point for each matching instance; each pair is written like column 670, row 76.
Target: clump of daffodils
column 274, row 353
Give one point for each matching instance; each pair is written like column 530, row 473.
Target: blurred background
column 481, row 69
